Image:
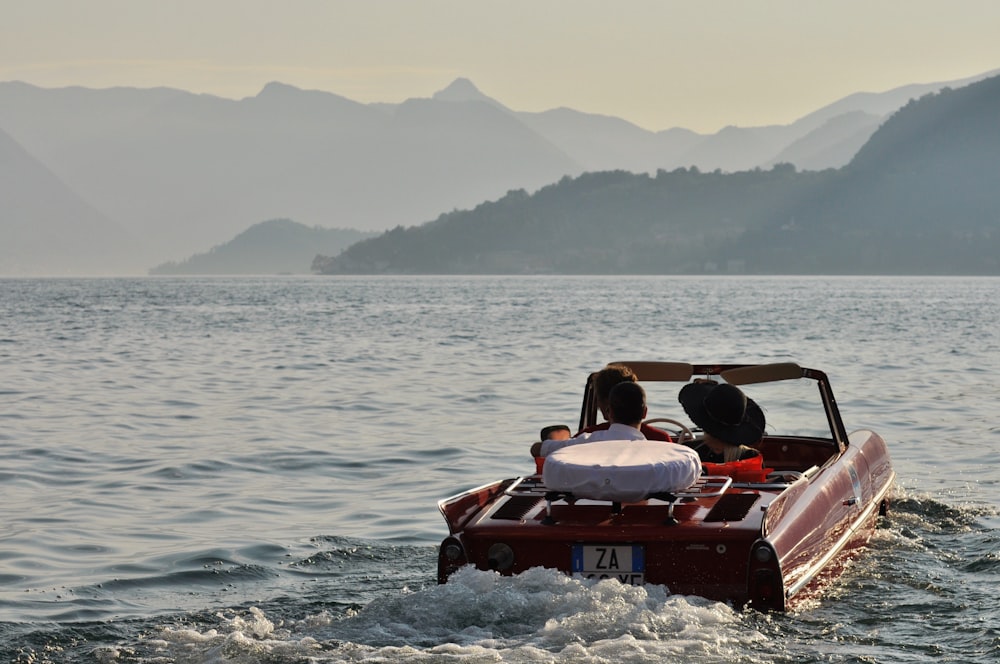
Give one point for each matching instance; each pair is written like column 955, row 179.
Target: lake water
column 219, row 470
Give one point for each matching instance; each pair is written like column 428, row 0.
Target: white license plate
column 625, row 562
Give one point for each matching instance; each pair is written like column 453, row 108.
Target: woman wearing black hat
column 730, row 420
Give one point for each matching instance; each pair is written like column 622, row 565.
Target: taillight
column 451, row 557
column 500, row 557
column 765, row 589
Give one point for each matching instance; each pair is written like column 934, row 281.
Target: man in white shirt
column 626, row 411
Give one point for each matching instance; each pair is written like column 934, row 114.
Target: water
column 246, row 470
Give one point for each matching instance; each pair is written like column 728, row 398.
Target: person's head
column 627, row 404
column 556, row 432
column 724, row 413
column 606, row 379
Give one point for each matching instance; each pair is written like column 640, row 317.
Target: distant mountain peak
column 280, row 94
column 276, row 89
column 461, row 89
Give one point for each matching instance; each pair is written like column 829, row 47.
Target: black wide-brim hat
column 722, row 410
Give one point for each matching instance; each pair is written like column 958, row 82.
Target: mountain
column 278, row 246
column 921, row 196
column 48, row 229
column 463, row 90
column 826, row 138
column 832, row 144
column 184, row 171
column 601, row 142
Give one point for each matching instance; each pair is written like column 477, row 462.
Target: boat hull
column 769, row 540
column 766, row 545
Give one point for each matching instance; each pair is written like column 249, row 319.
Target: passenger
column 626, row 410
column 730, row 420
column 606, row 379
column 555, row 432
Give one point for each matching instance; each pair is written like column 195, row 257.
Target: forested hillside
column 278, row 246
column 921, row 196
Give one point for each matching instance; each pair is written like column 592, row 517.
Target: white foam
column 482, row 616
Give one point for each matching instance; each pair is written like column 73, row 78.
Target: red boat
column 767, row 537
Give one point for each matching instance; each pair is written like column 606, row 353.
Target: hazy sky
column 700, row 64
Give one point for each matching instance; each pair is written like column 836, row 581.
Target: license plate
column 625, row 562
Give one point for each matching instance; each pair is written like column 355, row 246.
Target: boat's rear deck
column 712, row 500
column 527, row 502
column 672, row 534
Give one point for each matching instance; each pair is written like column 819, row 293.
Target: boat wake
column 369, row 601
column 481, row 616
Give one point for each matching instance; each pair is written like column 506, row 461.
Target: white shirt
column 614, row 432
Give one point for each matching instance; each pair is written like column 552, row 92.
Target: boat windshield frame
column 735, row 374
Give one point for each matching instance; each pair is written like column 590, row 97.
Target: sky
column 698, row 64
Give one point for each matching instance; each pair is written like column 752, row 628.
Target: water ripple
column 271, row 450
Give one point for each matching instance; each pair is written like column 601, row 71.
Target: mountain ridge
column 920, row 197
column 35, row 239
column 275, row 246
column 183, row 171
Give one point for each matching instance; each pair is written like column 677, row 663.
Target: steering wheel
column 684, row 431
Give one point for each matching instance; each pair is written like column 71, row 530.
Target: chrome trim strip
column 842, row 542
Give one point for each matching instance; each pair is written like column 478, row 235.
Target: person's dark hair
column 627, row 402
column 547, row 431
column 608, row 377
